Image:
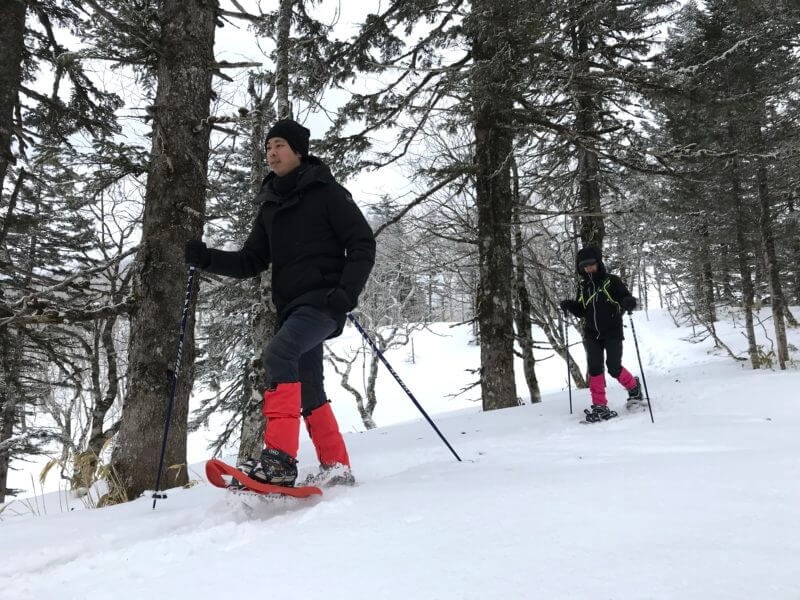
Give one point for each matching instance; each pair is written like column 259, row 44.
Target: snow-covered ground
column 705, row 503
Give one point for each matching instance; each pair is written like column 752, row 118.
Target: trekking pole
column 566, row 350
column 156, row 495
column 641, row 370
column 400, row 381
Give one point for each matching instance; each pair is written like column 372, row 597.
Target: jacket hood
column 587, row 253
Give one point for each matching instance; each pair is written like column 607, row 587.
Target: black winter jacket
column 315, row 237
column 599, row 299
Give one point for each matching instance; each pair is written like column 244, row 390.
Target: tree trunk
column 372, row 379
column 251, row 440
column 657, row 277
column 98, row 435
column 552, row 328
column 12, row 395
column 727, row 287
column 794, row 235
column 493, row 125
column 85, row 462
column 366, row 416
column 12, row 46
column 282, row 59
column 176, row 188
column 743, row 260
column 707, row 279
column 430, row 276
column 264, row 320
column 9, row 399
column 523, row 304
column 768, row 245
column 645, row 300
column 622, row 252
column 554, row 336
column 592, row 226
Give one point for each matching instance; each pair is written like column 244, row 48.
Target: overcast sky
column 235, row 43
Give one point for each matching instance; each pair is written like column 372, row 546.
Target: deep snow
column 701, row 504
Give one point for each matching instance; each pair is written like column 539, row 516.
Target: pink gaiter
column 626, row 379
column 597, row 385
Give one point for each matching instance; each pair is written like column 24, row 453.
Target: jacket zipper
column 594, row 306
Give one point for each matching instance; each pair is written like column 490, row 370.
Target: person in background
column 601, row 298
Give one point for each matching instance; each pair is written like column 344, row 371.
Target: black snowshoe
column 274, row 467
column 598, row 412
column 636, row 401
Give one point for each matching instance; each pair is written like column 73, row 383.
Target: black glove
column 568, row 306
column 339, row 301
column 196, row 254
column 629, row 303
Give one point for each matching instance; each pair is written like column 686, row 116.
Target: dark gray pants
column 295, row 354
column 594, row 355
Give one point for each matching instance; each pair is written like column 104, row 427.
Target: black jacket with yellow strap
column 599, row 300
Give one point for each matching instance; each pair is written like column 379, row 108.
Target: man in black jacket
column 322, row 251
column 600, row 300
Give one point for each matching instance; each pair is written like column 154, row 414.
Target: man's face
column 280, row 156
column 592, row 268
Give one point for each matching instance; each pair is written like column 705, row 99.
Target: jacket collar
column 598, row 276
column 313, row 173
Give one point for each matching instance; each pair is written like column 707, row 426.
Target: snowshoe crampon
column 636, row 405
column 598, row 413
column 636, row 400
column 331, row 476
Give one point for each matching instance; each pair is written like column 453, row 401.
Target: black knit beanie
column 588, row 256
column 292, row 132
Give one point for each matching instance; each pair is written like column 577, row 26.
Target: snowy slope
column 702, row 504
